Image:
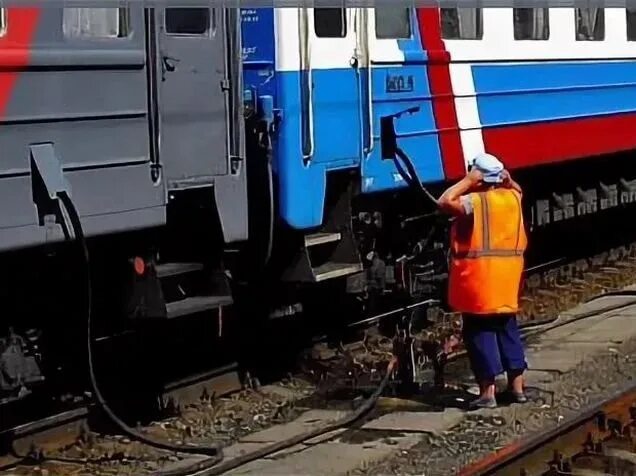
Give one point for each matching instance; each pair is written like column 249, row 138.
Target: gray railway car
column 133, row 116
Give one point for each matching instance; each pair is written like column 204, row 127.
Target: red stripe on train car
column 441, row 92
column 530, row 145
column 15, row 49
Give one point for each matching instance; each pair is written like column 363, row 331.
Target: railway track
column 601, row 441
column 201, row 416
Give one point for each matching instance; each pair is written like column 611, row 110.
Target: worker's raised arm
column 450, row 201
column 510, row 183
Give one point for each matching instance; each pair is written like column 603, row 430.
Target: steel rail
column 515, row 451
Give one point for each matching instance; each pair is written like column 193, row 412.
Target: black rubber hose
column 588, row 314
column 367, row 405
column 214, row 451
column 272, row 211
column 208, row 468
column 410, row 176
column 200, row 468
column 257, row 151
column 622, row 292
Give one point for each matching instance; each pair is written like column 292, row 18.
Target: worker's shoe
column 482, row 403
column 516, row 397
column 519, row 397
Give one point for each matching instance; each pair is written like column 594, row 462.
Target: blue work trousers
column 494, row 345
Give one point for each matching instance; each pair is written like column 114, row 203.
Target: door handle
column 167, row 64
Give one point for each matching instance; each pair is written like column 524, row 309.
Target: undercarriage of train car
column 400, row 240
column 572, row 209
column 142, row 283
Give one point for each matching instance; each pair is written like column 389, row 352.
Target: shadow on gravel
column 448, row 397
column 456, row 397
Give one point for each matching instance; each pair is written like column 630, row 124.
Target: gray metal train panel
column 199, row 98
column 79, row 91
column 80, row 109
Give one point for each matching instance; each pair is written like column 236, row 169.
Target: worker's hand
column 507, row 179
column 475, row 176
column 508, row 182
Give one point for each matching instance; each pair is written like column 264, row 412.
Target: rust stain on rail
column 600, row 437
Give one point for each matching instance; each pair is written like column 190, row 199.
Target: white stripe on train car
column 382, row 50
column 461, row 76
column 498, row 41
column 287, row 39
column 327, row 53
column 324, row 53
column 498, row 44
column 332, row 53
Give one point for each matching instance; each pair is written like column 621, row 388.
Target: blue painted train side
column 538, row 92
column 482, row 88
column 343, row 112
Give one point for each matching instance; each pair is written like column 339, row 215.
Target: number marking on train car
column 399, row 83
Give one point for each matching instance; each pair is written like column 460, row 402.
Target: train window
column 187, row 21
column 631, row 23
column 462, row 23
column 95, row 22
column 590, row 24
column 330, row 22
column 531, row 23
column 391, row 22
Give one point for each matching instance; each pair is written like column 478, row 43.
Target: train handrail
column 306, row 85
column 364, row 63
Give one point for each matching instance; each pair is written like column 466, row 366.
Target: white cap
column 490, row 167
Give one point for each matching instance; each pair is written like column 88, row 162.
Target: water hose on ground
column 209, row 468
column 587, row 314
column 200, row 467
column 214, row 451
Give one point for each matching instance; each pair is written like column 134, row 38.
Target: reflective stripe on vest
column 479, row 254
column 486, row 255
column 486, row 249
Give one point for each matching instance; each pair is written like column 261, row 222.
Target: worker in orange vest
column 488, row 240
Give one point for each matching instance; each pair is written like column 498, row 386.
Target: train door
column 193, row 120
column 330, row 93
column 397, row 82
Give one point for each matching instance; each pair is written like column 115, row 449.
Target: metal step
column 173, row 269
column 332, row 270
column 195, row 304
column 321, row 238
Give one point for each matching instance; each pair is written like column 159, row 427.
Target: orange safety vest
column 486, row 255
